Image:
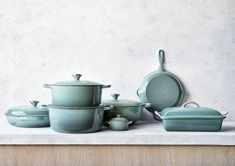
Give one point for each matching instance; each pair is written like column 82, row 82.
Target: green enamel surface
column 73, row 96
column 28, row 121
column 163, row 91
column 27, row 111
column 76, row 120
column 191, row 119
column 118, row 125
column 193, row 124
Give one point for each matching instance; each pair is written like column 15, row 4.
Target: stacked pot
column 76, row 106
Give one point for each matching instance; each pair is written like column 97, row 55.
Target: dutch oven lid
column 117, row 102
column 191, row 112
column 28, row 110
column 76, row 82
column 119, row 119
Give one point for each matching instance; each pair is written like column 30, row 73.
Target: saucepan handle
column 46, row 86
column 146, row 105
column 224, row 113
column 106, row 86
column 137, row 92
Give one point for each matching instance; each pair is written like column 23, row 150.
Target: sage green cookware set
column 77, row 107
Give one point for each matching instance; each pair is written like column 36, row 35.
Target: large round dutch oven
column 77, row 93
column 77, row 119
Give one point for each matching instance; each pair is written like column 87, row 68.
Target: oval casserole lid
column 190, row 112
column 124, row 103
column 76, row 82
column 28, row 110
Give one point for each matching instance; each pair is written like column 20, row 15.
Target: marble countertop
column 143, row 133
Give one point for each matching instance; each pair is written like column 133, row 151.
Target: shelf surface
column 143, row 133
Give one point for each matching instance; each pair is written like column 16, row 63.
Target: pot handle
column 190, row 102
column 137, row 92
column 46, row 86
column 146, row 105
column 224, row 113
column 106, row 86
column 107, row 107
column 161, row 58
column 129, row 122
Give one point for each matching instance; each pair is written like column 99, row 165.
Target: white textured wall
column 116, row 42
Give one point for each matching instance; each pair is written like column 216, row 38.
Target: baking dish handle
column 191, row 103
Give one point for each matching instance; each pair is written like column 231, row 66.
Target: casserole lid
column 117, row 102
column 28, row 110
column 191, row 112
column 76, row 82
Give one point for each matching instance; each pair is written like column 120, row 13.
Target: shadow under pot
column 77, row 119
column 76, row 93
column 128, row 109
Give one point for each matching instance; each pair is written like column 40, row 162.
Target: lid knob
column 115, row 96
column 77, row 76
column 118, row 116
column 34, row 103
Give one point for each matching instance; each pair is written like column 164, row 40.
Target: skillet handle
column 161, row 58
column 157, row 116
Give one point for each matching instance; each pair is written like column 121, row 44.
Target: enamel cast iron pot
column 128, row 109
column 77, row 93
column 161, row 88
column 77, row 119
column 119, row 123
